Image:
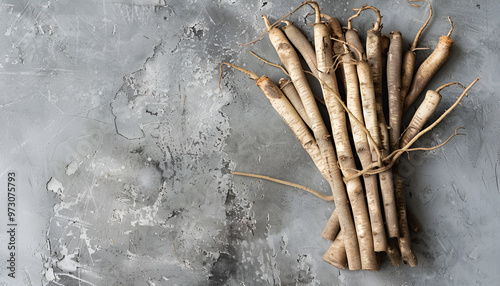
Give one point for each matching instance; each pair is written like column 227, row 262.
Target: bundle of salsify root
column 357, row 156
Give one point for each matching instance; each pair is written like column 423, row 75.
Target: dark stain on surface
column 196, row 32
column 222, row 269
column 226, row 264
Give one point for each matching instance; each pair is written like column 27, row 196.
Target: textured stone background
column 122, row 143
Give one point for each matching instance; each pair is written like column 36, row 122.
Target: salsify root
column 367, row 88
column 338, row 46
column 292, row 63
column 340, row 134
column 429, row 68
column 336, row 255
column 377, row 46
column 293, row 96
column 393, row 252
column 286, row 110
column 392, row 158
column 394, row 59
column 356, row 227
column 352, row 37
column 302, row 44
column 423, row 113
column 410, row 57
column 363, row 152
column 332, row 227
column 407, row 254
column 374, row 54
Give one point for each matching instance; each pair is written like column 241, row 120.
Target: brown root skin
column 394, row 59
column 337, row 35
column 336, row 254
column 352, row 37
column 285, row 109
column 409, row 60
column 384, row 43
column 398, row 153
column 336, row 28
column 393, row 252
column 387, row 185
column 375, row 59
column 279, row 102
column 428, row 69
column 332, row 227
column 363, row 149
column 291, row 60
column 270, row 90
column 366, row 83
column 404, row 241
column 369, row 101
column 359, row 123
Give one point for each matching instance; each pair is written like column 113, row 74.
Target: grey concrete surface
column 122, row 144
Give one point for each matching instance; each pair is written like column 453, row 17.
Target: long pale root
column 302, row 44
column 323, row 45
column 423, row 113
column 291, row 61
column 377, row 58
column 364, row 154
column 293, row 96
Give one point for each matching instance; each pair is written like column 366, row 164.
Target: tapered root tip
column 414, row 5
column 287, row 23
column 349, row 21
column 452, row 27
column 410, row 259
column 419, row 33
column 266, row 20
column 245, row 71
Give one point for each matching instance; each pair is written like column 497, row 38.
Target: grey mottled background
column 122, row 144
